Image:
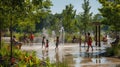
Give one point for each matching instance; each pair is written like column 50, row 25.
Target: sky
column 59, row 5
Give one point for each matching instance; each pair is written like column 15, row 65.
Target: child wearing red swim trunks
column 89, row 42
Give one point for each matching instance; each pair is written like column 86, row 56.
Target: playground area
column 74, row 55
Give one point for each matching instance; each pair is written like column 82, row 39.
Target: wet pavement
column 74, row 55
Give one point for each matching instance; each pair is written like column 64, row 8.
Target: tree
column 24, row 11
column 79, row 22
column 47, row 22
column 86, row 15
column 97, row 18
column 56, row 22
column 36, row 10
column 68, row 20
column 10, row 10
column 1, row 25
column 21, row 10
column 110, row 10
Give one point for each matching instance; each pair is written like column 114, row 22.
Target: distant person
column 114, row 43
column 57, row 42
column 25, row 38
column 32, row 37
column 86, row 39
column 89, row 42
column 47, row 44
column 16, row 42
column 80, row 40
column 105, row 38
column 74, row 39
column 43, row 41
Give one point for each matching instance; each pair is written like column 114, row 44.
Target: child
column 105, row 38
column 46, row 44
column 57, row 42
column 74, row 39
column 43, row 41
column 89, row 42
column 16, row 42
column 31, row 37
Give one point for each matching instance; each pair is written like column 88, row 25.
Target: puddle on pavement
column 76, row 57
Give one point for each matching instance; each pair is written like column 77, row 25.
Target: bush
column 19, row 58
column 113, row 51
column 68, row 38
column 23, row 59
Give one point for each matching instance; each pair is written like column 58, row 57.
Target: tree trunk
column 11, row 39
column 85, row 29
column 0, row 38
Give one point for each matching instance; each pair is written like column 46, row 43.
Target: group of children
column 45, row 42
column 27, row 39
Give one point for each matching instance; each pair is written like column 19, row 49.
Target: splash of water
column 62, row 35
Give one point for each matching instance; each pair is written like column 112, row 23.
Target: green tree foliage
column 79, row 22
column 22, row 14
column 49, row 22
column 10, row 11
column 68, row 20
column 110, row 10
column 86, row 15
column 25, row 12
column 36, row 9
column 97, row 18
column 56, row 22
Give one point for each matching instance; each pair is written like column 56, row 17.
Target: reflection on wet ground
column 75, row 56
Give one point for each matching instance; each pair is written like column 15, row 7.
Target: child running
column 89, row 42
